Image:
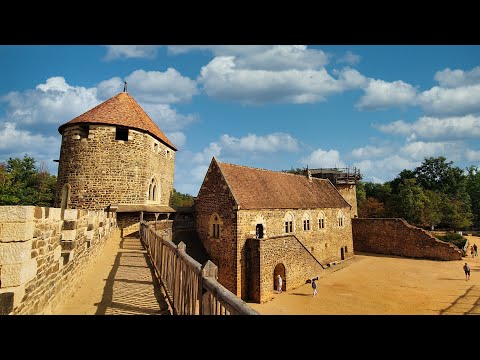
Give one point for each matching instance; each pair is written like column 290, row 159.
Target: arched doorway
column 279, row 270
column 259, row 231
column 342, row 254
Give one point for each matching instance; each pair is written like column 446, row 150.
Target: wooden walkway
column 120, row 282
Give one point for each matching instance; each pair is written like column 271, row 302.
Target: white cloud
column 380, row 94
column 349, row 58
column 370, row 151
column 131, row 51
column 382, row 170
column 109, row 88
column 204, row 156
column 253, row 143
column 451, row 101
column 456, row 78
column 419, row 150
column 161, row 87
column 167, row 118
column 15, row 143
column 177, row 138
column 222, row 79
column 434, row 128
column 54, row 102
column 264, row 57
column 321, row 158
column 472, row 155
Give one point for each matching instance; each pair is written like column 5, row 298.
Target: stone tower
column 114, row 154
column 344, row 179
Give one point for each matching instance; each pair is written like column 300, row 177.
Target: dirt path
column 378, row 284
column 118, row 282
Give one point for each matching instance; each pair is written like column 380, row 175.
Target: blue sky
column 379, row 108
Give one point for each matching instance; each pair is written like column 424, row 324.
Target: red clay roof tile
column 265, row 189
column 122, row 109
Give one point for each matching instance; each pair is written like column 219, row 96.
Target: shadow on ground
column 131, row 287
column 466, row 304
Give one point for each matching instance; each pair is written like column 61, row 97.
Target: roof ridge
column 273, row 171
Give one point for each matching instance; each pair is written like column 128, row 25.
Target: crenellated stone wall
column 397, row 237
column 103, row 171
column 42, row 256
column 265, row 254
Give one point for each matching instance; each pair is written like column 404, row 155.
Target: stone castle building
column 114, row 156
column 257, row 223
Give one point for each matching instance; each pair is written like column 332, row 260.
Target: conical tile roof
column 123, row 110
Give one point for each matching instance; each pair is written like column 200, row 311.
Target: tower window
column 121, row 134
column 84, row 130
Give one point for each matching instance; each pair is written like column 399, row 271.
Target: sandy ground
column 378, row 284
column 119, row 281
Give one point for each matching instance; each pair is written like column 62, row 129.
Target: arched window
column 306, row 221
column 289, row 222
column 154, row 191
column 321, row 220
column 215, row 225
column 340, row 219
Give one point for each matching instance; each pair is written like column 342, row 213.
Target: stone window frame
column 340, row 219
column 215, row 225
column 307, row 221
column 156, row 147
column 154, row 191
column 322, row 220
column 289, row 223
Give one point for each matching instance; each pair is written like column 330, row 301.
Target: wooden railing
column 191, row 289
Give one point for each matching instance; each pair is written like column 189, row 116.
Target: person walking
column 279, row 283
column 472, row 251
column 314, row 286
column 466, row 268
column 475, row 248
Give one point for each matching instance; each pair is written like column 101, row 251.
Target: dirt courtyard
column 387, row 285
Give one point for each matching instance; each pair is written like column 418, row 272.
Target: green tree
column 473, row 189
column 371, row 208
column 439, row 175
column 410, row 201
column 431, row 214
column 24, row 184
column 180, row 199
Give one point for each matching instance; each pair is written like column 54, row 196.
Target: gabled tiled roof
column 123, row 110
column 265, row 189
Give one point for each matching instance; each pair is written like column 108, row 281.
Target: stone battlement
column 42, row 255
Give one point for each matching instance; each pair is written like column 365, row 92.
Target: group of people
column 313, row 282
column 473, row 250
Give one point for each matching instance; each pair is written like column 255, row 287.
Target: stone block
column 68, row 235
column 16, row 231
column 57, row 253
column 17, row 274
column 68, row 244
column 16, row 213
column 54, row 213
column 70, row 214
column 39, row 212
column 15, row 252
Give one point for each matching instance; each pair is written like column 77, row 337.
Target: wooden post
column 179, row 278
column 156, row 218
column 209, row 269
column 141, row 217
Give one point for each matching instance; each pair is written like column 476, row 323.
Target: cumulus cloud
column 178, row 138
column 161, row 87
column 419, row 150
column 380, row 94
column 322, row 158
column 224, row 80
column 370, row 151
column 349, row 58
column 472, row 155
column 435, row 128
column 166, row 117
column 254, row 143
column 54, row 102
column 385, row 169
column 451, row 101
column 264, row 57
column 456, row 78
column 131, row 51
